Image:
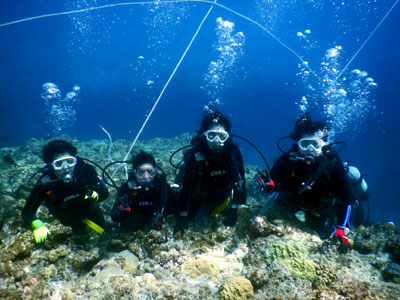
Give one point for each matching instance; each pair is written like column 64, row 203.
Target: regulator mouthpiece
column 67, row 178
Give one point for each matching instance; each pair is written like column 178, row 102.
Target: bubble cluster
column 306, row 40
column 85, row 35
column 50, row 92
column 229, row 46
column 345, row 102
column 366, row 12
column 162, row 22
column 60, row 112
column 276, row 14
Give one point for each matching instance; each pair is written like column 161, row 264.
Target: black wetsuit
column 66, row 201
column 319, row 198
column 135, row 205
column 208, row 180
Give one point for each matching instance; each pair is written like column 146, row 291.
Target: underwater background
column 110, row 66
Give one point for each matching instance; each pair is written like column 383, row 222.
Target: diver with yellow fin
column 70, row 189
column 212, row 179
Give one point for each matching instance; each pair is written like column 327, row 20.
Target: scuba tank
column 357, row 182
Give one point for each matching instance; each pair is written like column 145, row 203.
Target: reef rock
column 266, row 255
column 236, row 288
column 392, row 273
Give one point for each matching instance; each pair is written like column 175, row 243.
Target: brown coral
column 236, row 288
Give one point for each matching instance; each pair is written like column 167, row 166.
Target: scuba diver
column 212, row 179
column 145, row 198
column 310, row 177
column 71, row 190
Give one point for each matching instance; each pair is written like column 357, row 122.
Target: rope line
column 366, row 41
column 166, row 2
column 167, row 83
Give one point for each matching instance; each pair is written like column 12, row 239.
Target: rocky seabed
column 267, row 255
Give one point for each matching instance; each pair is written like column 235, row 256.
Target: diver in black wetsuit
column 70, row 189
column 311, row 178
column 212, row 178
column 144, row 200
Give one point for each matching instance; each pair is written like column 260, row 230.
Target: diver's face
column 310, row 145
column 216, row 137
column 63, row 166
column 145, row 174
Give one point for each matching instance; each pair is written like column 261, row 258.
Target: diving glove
column 340, row 234
column 157, row 221
column 266, row 183
column 40, row 232
column 92, row 195
column 124, row 211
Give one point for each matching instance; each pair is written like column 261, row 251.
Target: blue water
column 121, row 58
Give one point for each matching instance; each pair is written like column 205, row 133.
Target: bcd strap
column 45, row 179
column 199, row 156
column 235, row 175
column 132, row 185
column 164, row 193
column 323, row 166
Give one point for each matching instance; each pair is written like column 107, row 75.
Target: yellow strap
column 220, row 208
column 94, row 226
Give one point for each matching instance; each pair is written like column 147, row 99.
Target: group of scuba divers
column 310, row 177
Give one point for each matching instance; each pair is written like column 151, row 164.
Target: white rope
column 166, row 84
column 366, row 41
column 165, row 2
column 111, row 142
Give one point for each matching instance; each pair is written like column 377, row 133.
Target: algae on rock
column 293, row 256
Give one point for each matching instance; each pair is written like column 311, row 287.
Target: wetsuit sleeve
column 279, row 172
column 241, row 192
column 188, row 181
column 341, row 187
column 164, row 191
column 32, row 204
column 120, row 200
column 96, row 183
column 171, row 207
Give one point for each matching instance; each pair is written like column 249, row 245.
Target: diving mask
column 64, row 163
column 219, row 135
column 310, row 144
column 150, row 171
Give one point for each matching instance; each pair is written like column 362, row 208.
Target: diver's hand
column 124, row 211
column 266, row 183
column 157, row 221
column 40, row 232
column 92, row 195
column 339, row 234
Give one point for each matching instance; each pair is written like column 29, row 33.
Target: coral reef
column 236, row 288
column 293, row 256
column 267, row 255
